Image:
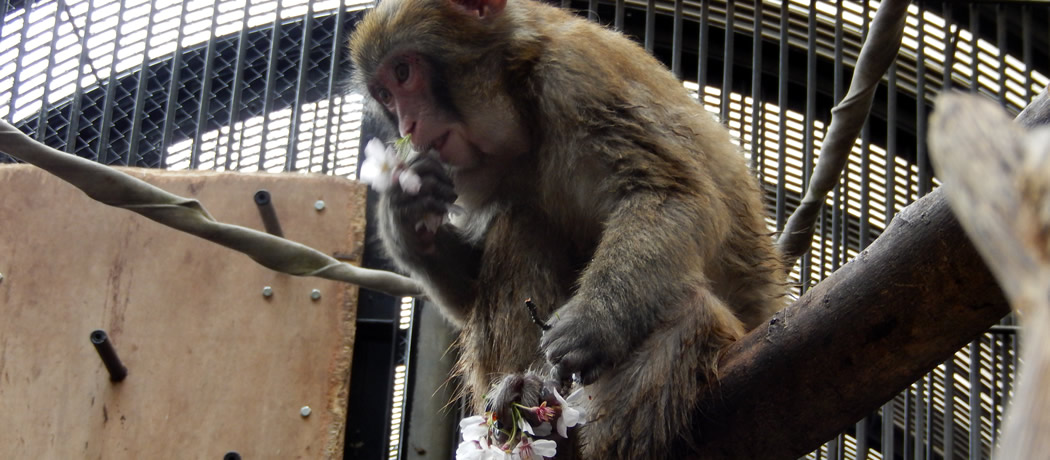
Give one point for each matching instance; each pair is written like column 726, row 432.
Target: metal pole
column 117, row 371
column 268, row 214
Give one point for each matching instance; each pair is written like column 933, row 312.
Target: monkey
column 587, row 179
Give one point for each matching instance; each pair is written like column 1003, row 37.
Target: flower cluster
column 485, row 439
column 385, row 164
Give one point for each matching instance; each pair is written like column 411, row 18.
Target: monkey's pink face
column 403, row 84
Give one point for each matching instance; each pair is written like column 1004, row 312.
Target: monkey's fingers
column 580, row 363
column 428, row 166
column 430, row 189
column 413, row 211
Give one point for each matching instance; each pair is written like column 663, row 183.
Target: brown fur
column 632, row 214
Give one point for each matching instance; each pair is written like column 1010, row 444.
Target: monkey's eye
column 401, row 72
column 384, row 96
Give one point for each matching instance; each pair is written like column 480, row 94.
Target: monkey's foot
column 528, row 403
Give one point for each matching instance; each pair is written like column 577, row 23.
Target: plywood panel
column 213, row 365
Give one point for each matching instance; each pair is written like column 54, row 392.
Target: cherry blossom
column 384, row 164
column 474, row 428
column 570, row 415
column 530, row 449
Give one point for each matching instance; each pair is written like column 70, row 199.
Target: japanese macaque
column 591, row 182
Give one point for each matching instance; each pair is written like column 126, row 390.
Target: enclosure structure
column 258, row 86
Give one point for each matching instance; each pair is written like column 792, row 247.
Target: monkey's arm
column 647, row 265
column 443, row 260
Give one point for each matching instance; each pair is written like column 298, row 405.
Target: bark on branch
column 915, row 296
column 910, row 300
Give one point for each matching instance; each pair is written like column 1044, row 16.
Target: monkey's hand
column 409, row 222
column 536, row 400
column 413, row 233
column 581, row 342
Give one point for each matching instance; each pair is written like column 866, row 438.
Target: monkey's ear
column 482, row 8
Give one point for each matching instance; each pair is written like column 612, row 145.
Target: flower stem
column 535, row 317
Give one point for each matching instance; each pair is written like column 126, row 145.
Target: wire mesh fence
column 258, row 85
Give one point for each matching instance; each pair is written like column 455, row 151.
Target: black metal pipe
column 172, row 106
column 704, row 41
column 757, row 136
column 650, row 26
column 271, row 82
column 290, row 157
column 133, row 157
column 676, row 41
column 782, row 101
column 231, row 456
column 117, row 371
column 206, row 96
column 618, row 16
column 727, row 60
column 268, row 214
column 975, row 401
column 921, row 156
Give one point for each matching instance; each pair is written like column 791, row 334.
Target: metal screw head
column 267, row 291
column 315, row 294
column 305, row 411
column 319, row 205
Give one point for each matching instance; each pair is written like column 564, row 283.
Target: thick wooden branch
column 905, row 304
column 915, row 296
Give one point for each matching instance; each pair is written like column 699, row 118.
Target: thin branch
column 848, row 117
column 114, row 188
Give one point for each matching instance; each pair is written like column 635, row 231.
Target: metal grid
column 257, row 85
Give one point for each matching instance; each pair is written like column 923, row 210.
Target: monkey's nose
column 411, row 128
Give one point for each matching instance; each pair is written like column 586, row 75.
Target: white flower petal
column 544, row 447
column 474, row 428
column 579, row 400
column 568, row 419
column 570, row 416
column 563, row 429
column 375, row 149
column 410, row 182
column 495, row 453
column 378, row 168
column 524, row 426
column 469, row 450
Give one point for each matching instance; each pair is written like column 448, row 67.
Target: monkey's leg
column 650, row 260
column 642, row 407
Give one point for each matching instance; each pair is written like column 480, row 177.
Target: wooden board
column 214, row 366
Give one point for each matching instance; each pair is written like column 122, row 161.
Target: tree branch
column 915, row 296
column 905, row 304
column 114, row 188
